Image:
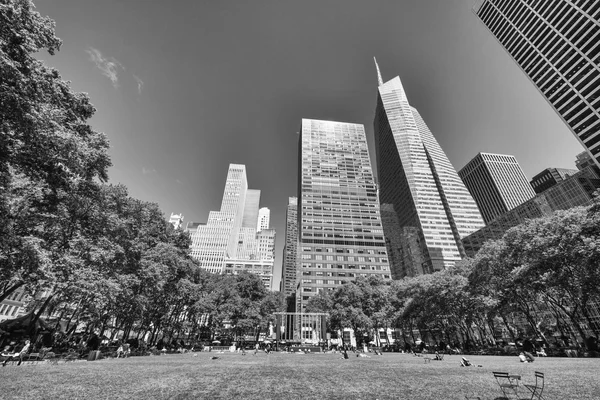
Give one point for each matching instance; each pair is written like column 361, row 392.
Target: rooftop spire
column 379, row 79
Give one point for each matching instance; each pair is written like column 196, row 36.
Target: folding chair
column 507, row 382
column 537, row 389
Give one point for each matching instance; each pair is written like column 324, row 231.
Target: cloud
column 140, row 83
column 108, row 65
column 178, row 181
column 147, row 171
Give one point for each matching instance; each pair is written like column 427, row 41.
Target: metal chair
column 507, row 382
column 537, row 389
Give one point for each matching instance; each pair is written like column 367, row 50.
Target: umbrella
column 216, row 342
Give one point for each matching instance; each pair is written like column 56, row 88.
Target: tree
column 49, row 154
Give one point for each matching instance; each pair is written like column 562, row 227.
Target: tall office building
column 557, row 44
column 550, row 177
column 264, row 216
column 288, row 273
column 583, row 160
column 576, row 190
column 229, row 242
column 340, row 232
column 497, row 184
column 416, row 177
column 176, row 220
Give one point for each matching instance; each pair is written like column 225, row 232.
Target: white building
column 264, row 215
column 229, row 241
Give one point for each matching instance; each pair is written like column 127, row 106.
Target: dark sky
column 183, row 88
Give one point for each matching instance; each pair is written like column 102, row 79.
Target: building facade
column 176, row 220
column 497, row 184
column 339, row 225
column 583, row 160
column 557, row 44
column 288, row 273
column 576, row 190
column 550, row 177
column 14, row 305
column 264, row 216
column 229, row 242
column 416, row 177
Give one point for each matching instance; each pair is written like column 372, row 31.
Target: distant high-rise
column 176, row 220
column 583, row 160
column 339, row 225
column 550, row 177
column 229, row 243
column 497, row 184
column 288, row 273
column 264, row 215
column 557, row 44
column 416, row 177
column 576, row 190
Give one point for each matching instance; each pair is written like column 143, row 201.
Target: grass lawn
column 291, row 376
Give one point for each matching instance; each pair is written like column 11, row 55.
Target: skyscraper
column 557, row 44
column 583, row 160
column 340, row 232
column 229, row 242
column 176, row 220
column 576, row 190
column 497, row 184
column 416, row 177
column 288, row 273
column 550, row 177
column 264, row 215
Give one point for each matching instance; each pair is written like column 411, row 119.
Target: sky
column 183, row 88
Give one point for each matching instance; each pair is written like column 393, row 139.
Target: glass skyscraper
column 416, row 177
column 288, row 275
column 497, row 184
column 340, row 232
column 557, row 44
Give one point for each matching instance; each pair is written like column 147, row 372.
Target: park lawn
column 292, row 376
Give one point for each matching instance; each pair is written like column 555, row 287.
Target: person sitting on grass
column 120, row 351
column 465, row 363
column 437, row 356
column 526, row 357
column 541, row 352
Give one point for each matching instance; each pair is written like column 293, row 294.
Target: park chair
column 507, row 383
column 537, row 389
column 33, row 357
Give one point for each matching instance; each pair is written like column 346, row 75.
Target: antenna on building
column 379, row 79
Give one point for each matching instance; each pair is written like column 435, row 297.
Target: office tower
column 176, row 220
column 575, row 190
column 416, row 177
column 583, row 160
column 264, row 215
column 550, row 177
column 393, row 234
column 229, row 242
column 288, row 273
column 497, row 184
column 557, row 44
column 340, row 233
